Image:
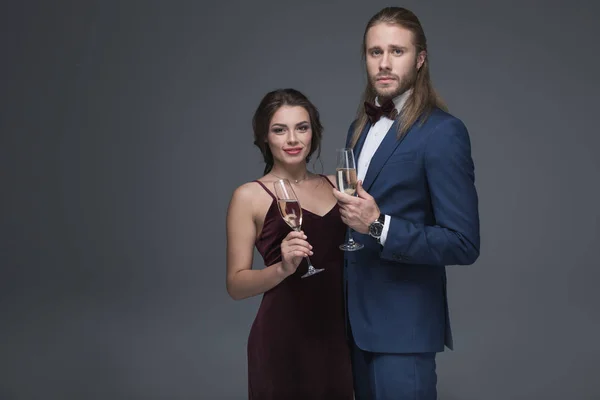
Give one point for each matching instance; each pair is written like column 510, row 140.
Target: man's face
column 392, row 59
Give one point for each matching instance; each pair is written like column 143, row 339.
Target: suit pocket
column 401, row 158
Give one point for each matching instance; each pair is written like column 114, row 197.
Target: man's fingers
column 361, row 192
column 337, row 194
column 343, row 197
column 349, row 210
column 346, row 214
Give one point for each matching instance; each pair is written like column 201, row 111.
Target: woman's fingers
column 299, row 242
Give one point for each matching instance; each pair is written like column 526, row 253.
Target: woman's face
column 290, row 135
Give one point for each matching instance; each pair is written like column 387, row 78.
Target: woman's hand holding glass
column 293, row 249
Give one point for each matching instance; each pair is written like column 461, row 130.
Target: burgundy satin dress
column 297, row 346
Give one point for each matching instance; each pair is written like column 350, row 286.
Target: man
column 416, row 212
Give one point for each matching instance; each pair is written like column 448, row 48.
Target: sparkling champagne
column 291, row 213
column 346, row 180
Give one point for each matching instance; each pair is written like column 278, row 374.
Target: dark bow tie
column 388, row 109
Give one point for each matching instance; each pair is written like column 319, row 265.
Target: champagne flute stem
column 298, row 229
column 310, row 266
column 350, row 238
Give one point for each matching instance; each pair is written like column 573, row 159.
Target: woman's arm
column 242, row 280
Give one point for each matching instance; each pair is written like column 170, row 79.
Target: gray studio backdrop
column 125, row 126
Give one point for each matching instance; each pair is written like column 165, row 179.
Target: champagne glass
column 346, row 179
column 291, row 212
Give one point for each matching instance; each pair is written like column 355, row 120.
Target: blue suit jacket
column 396, row 293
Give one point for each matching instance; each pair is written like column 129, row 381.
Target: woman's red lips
column 293, row 151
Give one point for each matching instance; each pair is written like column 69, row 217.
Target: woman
column 297, row 346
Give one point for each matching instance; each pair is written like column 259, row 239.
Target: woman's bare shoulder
column 244, row 194
column 244, row 190
column 332, row 180
column 248, row 193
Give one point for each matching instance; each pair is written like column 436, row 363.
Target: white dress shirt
column 374, row 138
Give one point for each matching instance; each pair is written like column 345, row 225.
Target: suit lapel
column 384, row 151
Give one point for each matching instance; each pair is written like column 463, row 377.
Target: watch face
column 376, row 228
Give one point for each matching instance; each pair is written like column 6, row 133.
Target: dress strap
column 328, row 181
column 267, row 190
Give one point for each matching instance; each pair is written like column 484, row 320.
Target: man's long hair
column 423, row 98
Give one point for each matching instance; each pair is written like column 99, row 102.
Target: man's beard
column 405, row 83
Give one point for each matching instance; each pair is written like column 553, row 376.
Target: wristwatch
column 376, row 227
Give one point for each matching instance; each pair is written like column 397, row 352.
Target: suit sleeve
column 454, row 237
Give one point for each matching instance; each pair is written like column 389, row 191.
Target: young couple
column 368, row 326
